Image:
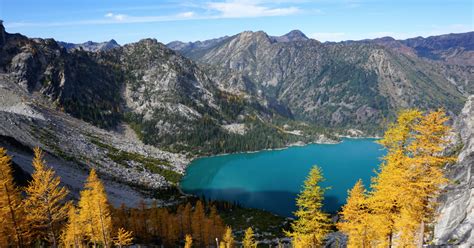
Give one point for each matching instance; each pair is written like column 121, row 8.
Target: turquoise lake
column 271, row 180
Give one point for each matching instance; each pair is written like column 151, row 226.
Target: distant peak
column 296, row 32
column 293, row 35
column 386, row 38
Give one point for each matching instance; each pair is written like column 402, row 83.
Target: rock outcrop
column 90, row 46
column 2, row 33
column 455, row 223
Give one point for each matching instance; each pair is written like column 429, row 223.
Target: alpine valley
column 139, row 113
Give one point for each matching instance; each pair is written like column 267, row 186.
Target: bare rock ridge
column 90, row 46
column 456, row 211
column 294, row 35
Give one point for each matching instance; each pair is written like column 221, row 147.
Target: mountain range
column 138, row 113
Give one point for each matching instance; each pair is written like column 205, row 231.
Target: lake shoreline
column 324, row 141
column 276, row 166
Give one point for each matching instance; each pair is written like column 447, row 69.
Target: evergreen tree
column 45, row 205
column 249, row 240
column 312, row 224
column 11, row 209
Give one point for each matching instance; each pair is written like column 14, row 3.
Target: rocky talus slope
column 455, row 223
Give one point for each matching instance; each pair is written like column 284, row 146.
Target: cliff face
column 455, row 222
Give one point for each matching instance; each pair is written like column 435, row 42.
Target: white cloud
column 337, row 36
column 188, row 14
column 117, row 17
column 245, row 8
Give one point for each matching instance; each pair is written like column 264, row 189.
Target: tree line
column 40, row 215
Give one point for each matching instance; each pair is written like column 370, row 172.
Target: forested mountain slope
column 347, row 84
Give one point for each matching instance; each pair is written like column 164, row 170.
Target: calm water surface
column 271, row 180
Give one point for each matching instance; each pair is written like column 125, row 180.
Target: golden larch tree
column 354, row 217
column 73, row 234
column 249, row 239
column 95, row 212
column 312, row 224
column 217, row 224
column 188, row 241
column 228, row 238
column 123, row 238
column 198, row 222
column 11, row 209
column 45, row 204
column 409, row 179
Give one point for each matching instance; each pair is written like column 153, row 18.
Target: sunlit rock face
column 456, row 216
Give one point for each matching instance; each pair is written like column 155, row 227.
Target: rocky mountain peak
column 294, row 35
column 253, row 36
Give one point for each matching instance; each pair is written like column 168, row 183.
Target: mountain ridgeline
column 348, row 84
column 237, row 93
column 138, row 113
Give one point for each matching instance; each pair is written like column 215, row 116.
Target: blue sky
column 168, row 20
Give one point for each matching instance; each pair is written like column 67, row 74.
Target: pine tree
column 188, row 242
column 312, row 224
column 249, row 240
column 73, row 235
column 123, row 238
column 355, row 216
column 95, row 212
column 228, row 238
column 11, row 209
column 45, row 205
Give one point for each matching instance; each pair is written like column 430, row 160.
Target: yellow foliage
column 312, row 224
column 228, row 238
column 188, row 241
column 355, row 216
column 409, row 179
column 45, row 204
column 73, row 234
column 94, row 211
column 11, row 209
column 249, row 240
column 198, row 223
column 123, row 238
